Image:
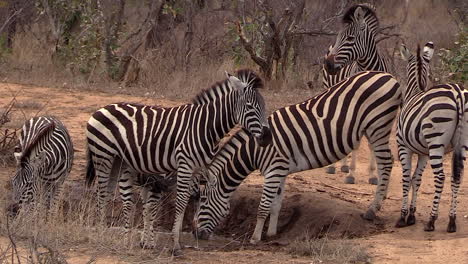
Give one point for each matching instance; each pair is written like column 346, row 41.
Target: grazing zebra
column 432, row 121
column 308, row 135
column 128, row 138
column 355, row 50
column 44, row 159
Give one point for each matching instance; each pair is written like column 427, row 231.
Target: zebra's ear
column 359, row 14
column 236, row 83
column 428, row 51
column 405, row 53
column 227, row 74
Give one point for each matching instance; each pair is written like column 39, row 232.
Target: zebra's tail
column 461, row 136
column 90, row 171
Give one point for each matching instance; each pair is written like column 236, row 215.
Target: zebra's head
column 25, row 180
column 250, row 108
column 355, row 41
column 212, row 208
column 22, row 184
column 417, row 68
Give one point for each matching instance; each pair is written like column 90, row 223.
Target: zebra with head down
column 44, row 159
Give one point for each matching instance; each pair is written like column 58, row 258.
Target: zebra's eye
column 350, row 38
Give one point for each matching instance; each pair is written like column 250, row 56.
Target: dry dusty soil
column 316, row 203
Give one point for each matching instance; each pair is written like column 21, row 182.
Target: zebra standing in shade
column 355, row 50
column 156, row 140
column 44, row 159
column 308, row 135
column 431, row 122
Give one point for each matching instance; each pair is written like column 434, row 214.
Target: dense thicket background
column 175, row 47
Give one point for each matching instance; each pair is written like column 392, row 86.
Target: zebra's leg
column 350, row 179
column 104, row 168
column 126, row 187
column 150, row 210
column 56, row 199
column 372, row 168
column 415, row 183
column 458, row 162
column 184, row 179
column 270, row 193
column 384, row 168
column 275, row 210
column 405, row 158
column 344, row 165
column 436, row 155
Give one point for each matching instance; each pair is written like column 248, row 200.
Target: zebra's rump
column 432, row 115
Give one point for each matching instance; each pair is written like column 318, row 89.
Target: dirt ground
column 316, row 203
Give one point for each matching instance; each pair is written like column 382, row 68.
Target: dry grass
column 326, row 250
column 75, row 228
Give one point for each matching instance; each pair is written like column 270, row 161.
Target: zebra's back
column 137, row 132
column 324, row 129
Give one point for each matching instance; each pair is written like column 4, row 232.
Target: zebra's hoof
column 411, row 220
column 452, row 226
column 349, row 180
column 429, row 226
column 345, row 169
column 369, row 215
column 373, row 181
column 401, row 222
column 331, row 170
column 176, row 252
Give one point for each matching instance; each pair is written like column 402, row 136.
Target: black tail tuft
column 457, row 165
column 90, row 172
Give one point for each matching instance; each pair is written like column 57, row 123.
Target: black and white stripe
column 44, row 159
column 308, row 135
column 431, row 123
column 129, row 139
column 355, row 50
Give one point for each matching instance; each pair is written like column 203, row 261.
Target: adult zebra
column 430, row 121
column 44, row 159
column 355, row 50
column 308, row 135
column 157, row 140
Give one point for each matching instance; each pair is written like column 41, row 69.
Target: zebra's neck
column 372, row 61
column 220, row 118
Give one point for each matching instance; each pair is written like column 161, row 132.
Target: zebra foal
column 308, row 135
column 431, row 122
column 44, row 159
column 129, row 139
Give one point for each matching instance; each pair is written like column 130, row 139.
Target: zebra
column 44, row 158
column 129, row 138
column 307, row 135
column 430, row 121
column 355, row 50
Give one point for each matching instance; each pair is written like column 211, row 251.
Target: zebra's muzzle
column 266, row 137
column 330, row 66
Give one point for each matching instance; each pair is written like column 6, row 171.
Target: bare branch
column 16, row 13
column 248, row 47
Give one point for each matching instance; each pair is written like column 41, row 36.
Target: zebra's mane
column 220, row 89
column 419, row 65
column 369, row 10
column 41, row 131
